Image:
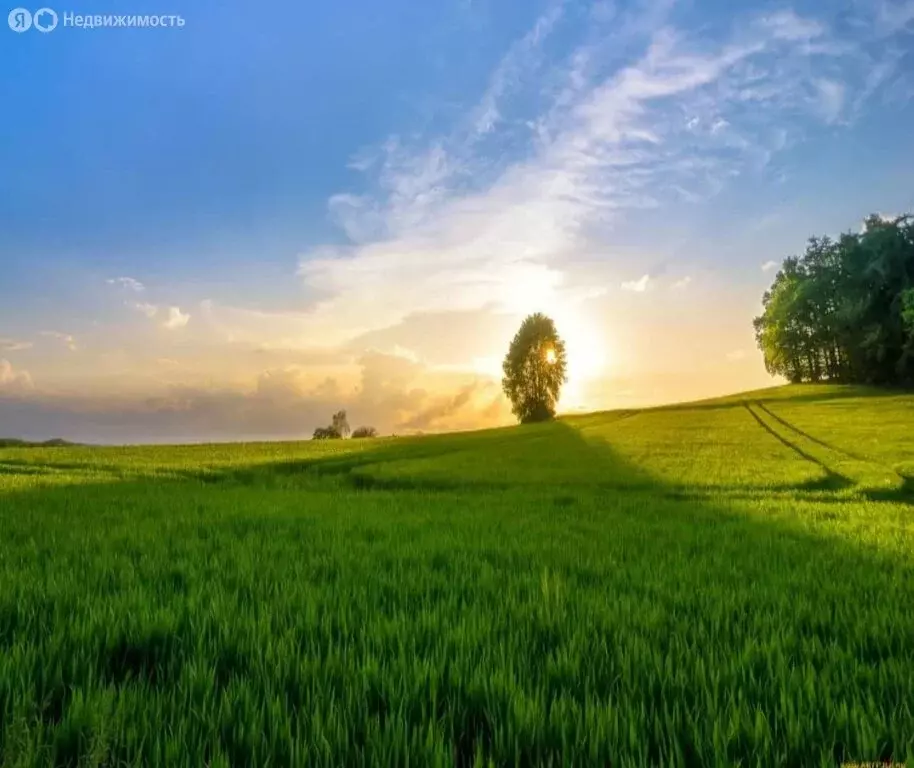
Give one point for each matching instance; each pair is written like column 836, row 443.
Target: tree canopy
column 844, row 311
column 534, row 369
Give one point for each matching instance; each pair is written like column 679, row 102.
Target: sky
column 230, row 229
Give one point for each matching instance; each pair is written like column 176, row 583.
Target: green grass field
column 730, row 582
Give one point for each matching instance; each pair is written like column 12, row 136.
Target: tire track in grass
column 894, row 486
column 867, row 477
column 828, row 446
column 836, row 480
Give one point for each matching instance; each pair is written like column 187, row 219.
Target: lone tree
column 362, row 432
column 534, row 369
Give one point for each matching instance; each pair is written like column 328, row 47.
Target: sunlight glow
column 550, row 355
column 586, row 343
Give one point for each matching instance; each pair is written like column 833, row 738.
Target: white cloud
column 453, row 226
column 127, row 282
column 787, row 25
column 518, row 62
column 12, row 380
column 150, row 310
column 769, row 265
column 831, row 96
column 64, row 338
column 894, row 16
column 389, row 392
column 12, row 345
column 527, row 204
column 176, row 319
column 719, row 125
column 638, row 286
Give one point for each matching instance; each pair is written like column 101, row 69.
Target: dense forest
column 844, row 311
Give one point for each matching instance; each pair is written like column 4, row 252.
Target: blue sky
column 354, row 203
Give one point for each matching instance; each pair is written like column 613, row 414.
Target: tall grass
column 683, row 587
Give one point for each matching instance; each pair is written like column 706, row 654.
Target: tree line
column 844, row 310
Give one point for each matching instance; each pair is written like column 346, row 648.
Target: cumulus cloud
column 392, row 393
column 682, row 282
column 637, row 286
column 129, row 283
column 769, row 265
column 12, row 380
column 441, row 409
column 176, row 319
column 173, row 317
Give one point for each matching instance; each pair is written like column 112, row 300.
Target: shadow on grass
column 743, row 567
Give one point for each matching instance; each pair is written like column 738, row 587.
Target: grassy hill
column 721, row 582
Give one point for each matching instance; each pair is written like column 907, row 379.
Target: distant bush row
column 12, row 442
column 339, row 429
column 844, row 311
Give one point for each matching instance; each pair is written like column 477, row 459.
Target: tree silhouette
column 534, row 369
column 364, row 432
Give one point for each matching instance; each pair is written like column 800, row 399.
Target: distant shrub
column 365, row 432
column 338, row 429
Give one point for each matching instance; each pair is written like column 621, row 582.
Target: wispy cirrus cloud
column 893, row 16
column 129, row 283
column 144, row 308
column 14, row 345
column 66, row 339
column 676, row 123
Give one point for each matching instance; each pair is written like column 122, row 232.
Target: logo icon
column 20, row 20
column 45, row 20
